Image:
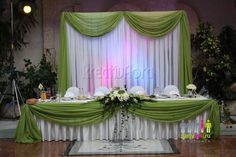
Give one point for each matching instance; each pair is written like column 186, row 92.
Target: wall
column 45, row 36
column 217, row 12
column 34, row 49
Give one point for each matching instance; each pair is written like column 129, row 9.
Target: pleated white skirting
column 135, row 128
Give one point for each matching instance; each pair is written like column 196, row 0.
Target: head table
column 87, row 120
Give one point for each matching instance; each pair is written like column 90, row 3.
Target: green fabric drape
column 157, row 24
column 75, row 114
column 154, row 24
column 27, row 129
column 63, row 69
column 93, row 24
column 175, row 111
column 90, row 24
column 185, row 62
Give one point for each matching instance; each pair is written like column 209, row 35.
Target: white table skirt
column 138, row 128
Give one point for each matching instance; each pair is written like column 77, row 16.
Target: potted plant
column 33, row 75
column 228, row 45
column 211, row 64
column 214, row 67
column 21, row 26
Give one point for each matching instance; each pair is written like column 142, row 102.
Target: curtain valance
column 154, row 24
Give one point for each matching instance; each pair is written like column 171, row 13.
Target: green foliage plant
column 227, row 39
column 33, row 75
column 212, row 63
column 22, row 24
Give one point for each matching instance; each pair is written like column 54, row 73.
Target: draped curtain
column 117, row 48
column 122, row 57
column 76, row 114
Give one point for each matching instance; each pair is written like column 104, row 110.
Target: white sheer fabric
column 138, row 128
column 123, row 57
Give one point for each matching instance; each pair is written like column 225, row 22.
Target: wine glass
column 58, row 97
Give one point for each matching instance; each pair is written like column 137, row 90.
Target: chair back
column 101, row 91
column 139, row 90
column 72, row 92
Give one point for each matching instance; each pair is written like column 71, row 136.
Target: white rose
column 126, row 96
column 112, row 98
column 120, row 98
column 135, row 100
column 106, row 101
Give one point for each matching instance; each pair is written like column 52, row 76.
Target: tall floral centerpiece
column 117, row 99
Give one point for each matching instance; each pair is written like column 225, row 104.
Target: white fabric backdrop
column 123, row 57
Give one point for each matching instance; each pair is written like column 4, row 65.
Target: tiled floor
column 225, row 146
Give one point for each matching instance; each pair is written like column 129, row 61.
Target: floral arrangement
column 119, row 98
column 191, row 90
column 191, row 87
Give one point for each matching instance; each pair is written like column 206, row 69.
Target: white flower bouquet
column 191, row 90
column 119, row 97
column 191, row 87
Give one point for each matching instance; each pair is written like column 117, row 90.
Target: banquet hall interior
column 148, row 78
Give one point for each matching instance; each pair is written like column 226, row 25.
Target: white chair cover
column 72, row 92
column 101, row 91
column 139, row 90
column 171, row 91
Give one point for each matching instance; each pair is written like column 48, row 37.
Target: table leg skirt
column 134, row 128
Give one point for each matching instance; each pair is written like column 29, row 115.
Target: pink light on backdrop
column 128, row 64
column 105, row 75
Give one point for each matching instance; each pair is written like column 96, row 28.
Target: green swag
column 75, row 114
column 154, row 24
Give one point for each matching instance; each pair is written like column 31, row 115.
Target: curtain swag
column 153, row 24
column 75, row 114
